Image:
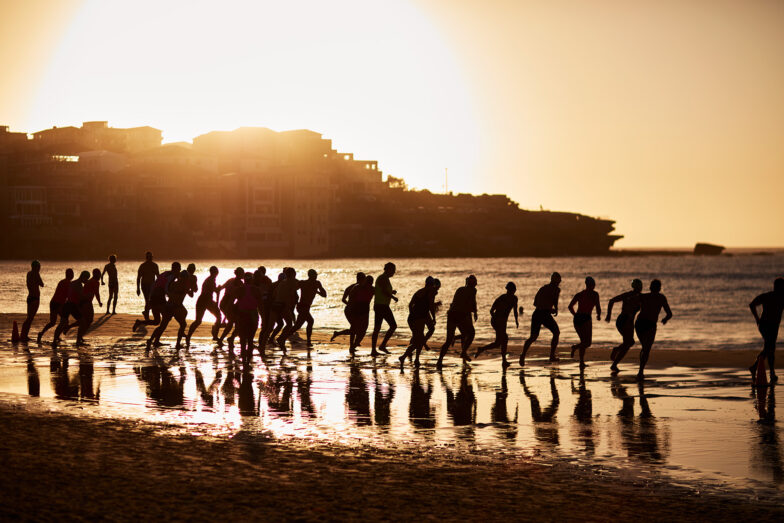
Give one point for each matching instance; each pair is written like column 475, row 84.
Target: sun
column 376, row 77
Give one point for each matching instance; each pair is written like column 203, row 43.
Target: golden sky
column 667, row 116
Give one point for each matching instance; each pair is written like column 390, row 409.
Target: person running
column 459, row 317
column 420, row 310
column 91, row 291
column 193, row 280
column 308, row 289
column 585, row 300
column 545, row 308
column 57, row 302
column 114, row 284
column 768, row 323
column 275, row 314
column 206, row 302
column 264, row 283
column 348, row 310
column 434, row 308
column 384, row 294
column 651, row 304
column 248, row 301
column 361, row 296
column 499, row 317
column 176, row 291
column 227, row 302
column 286, row 296
column 71, row 309
column 630, row 304
column 34, row 284
column 158, row 293
column 145, row 279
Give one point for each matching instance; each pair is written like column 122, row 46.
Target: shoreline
column 119, row 325
column 129, row 470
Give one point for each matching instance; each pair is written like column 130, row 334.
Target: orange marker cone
column 762, row 377
column 15, row 334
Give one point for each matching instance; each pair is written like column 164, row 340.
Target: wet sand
column 119, row 434
column 58, row 467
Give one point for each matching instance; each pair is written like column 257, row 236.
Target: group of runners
column 72, row 300
column 251, row 302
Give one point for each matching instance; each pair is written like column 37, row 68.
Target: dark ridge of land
column 56, row 467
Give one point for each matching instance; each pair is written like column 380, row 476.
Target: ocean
column 709, row 296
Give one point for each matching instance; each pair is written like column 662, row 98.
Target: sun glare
column 374, row 76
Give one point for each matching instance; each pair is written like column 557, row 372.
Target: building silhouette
column 83, row 191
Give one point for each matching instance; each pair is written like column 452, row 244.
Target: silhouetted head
column 281, row 276
column 214, row 270
column 511, row 288
column 112, row 258
column 637, row 284
column 69, row 274
column 262, row 269
column 590, row 283
column 96, row 274
column 436, row 283
column 778, row 285
column 360, row 277
column 176, row 267
column 369, row 280
column 429, row 281
column 191, row 268
column 312, row 274
column 248, row 278
column 290, row 273
column 655, row 286
column 471, row 281
column 555, row 278
column 35, row 265
column 239, row 272
column 389, row 269
column 148, row 256
column 84, row 277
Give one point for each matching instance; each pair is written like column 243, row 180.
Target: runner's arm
column 666, row 307
column 753, row 306
column 571, row 304
column 598, row 308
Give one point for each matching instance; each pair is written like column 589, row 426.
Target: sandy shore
column 56, row 467
column 119, row 325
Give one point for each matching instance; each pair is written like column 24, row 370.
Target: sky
column 666, row 116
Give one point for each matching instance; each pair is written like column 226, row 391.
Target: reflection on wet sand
column 322, row 394
column 33, row 379
column 766, row 451
column 639, row 435
column 383, row 394
column 499, row 414
column 420, row 413
column 461, row 407
column 358, row 395
column 583, row 413
column 545, row 427
column 162, row 386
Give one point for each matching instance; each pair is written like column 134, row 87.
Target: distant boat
column 708, row 249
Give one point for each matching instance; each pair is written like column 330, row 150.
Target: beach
column 318, row 434
column 57, row 466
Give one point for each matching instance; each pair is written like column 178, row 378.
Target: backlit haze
column 665, row 116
